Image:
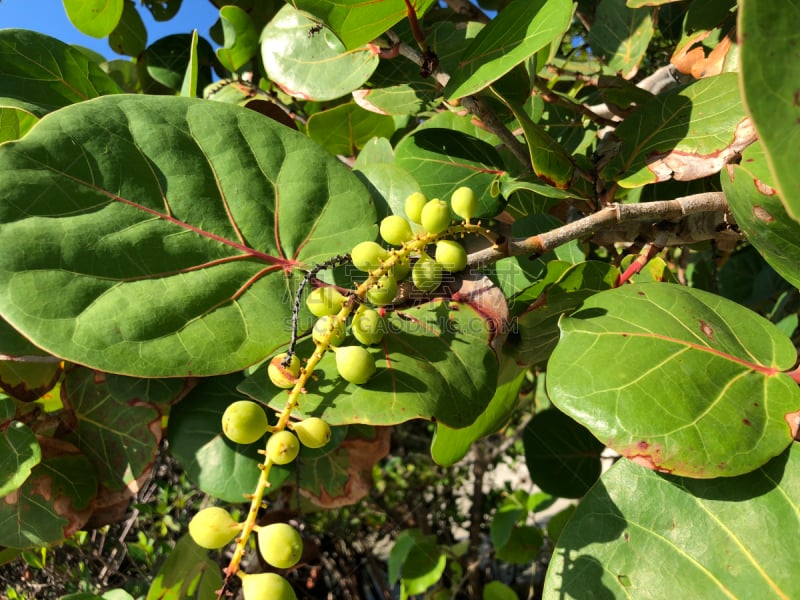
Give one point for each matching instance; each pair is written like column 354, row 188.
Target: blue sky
column 48, row 16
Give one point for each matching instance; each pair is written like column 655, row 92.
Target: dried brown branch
column 469, row 10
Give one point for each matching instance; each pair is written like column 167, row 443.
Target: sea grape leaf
column 188, row 572
column 39, row 74
column 684, row 134
column 216, row 465
column 344, row 129
column 312, row 67
column 390, row 186
column 96, row 18
column 563, row 457
column 130, row 35
column 30, row 379
column 652, row 534
column 434, row 363
column 19, row 454
column 620, row 35
column 356, row 22
column 241, row 38
column 519, row 31
column 203, row 216
column 162, row 10
column 168, row 59
column 640, row 3
column 15, row 123
column 116, row 421
column 770, row 73
column 442, row 160
column 417, row 561
column 677, row 379
column 54, row 502
column 761, row 214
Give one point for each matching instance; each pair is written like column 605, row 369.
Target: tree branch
column 680, row 221
column 469, row 10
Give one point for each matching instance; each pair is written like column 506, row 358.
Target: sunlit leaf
column 96, row 18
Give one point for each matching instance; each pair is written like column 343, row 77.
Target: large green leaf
column 520, row 30
column 677, row 379
column 769, row 74
column 241, row 38
column 19, row 453
column 356, row 22
column 312, row 66
column 435, row 363
column 188, row 573
column 159, row 236
column 96, row 18
column 684, row 134
column 620, row 35
column 344, row 129
column 130, row 35
column 442, row 160
column 759, row 212
column 638, row 534
column 39, row 74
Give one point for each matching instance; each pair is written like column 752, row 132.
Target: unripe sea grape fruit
column 451, row 255
column 213, row 528
column 396, row 230
column 384, row 291
column 266, row 586
column 464, row 202
column 244, row 422
column 280, row 376
column 368, row 326
column 329, row 325
column 413, row 207
column 435, row 216
column 282, row 447
column 401, row 268
column 426, row 274
column 367, row 256
column 355, row 364
column 324, row 301
column 313, row 432
column 280, row 545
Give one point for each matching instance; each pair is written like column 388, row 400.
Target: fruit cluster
column 245, row 421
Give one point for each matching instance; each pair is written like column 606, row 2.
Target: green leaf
column 638, row 534
column 344, row 129
column 761, row 214
column 130, row 35
column 683, row 134
column 189, row 86
column 28, row 380
column 417, row 560
column 620, row 35
column 241, row 38
column 188, row 573
column 497, row 590
column 96, row 18
column 162, row 10
column 15, row 123
column 356, row 22
column 212, row 462
column 117, row 422
column 28, row 62
column 435, row 363
column 389, row 184
column 316, row 67
column 520, row 30
column 686, row 365
column 190, row 258
column 169, row 58
column 769, row 76
column 54, row 502
column 563, row 457
column 451, row 445
column 19, row 454
column 442, row 160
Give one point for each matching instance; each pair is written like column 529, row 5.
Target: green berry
column 329, row 325
column 414, row 204
column 266, row 586
column 324, row 301
column 280, row 545
column 426, row 274
column 464, row 203
column 244, row 422
column 368, row 256
column 213, row 528
column 396, row 230
column 435, row 216
column 401, row 268
column 451, row 255
column 313, row 432
column 384, row 291
column 282, row 447
column 355, row 364
column 368, row 326
column 280, row 376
